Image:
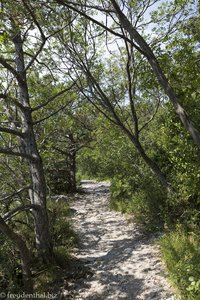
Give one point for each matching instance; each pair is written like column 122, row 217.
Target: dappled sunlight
column 124, row 262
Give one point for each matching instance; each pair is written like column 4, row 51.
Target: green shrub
column 63, row 238
column 10, row 266
column 141, row 197
column 181, row 253
column 10, row 259
column 62, row 233
column 58, row 178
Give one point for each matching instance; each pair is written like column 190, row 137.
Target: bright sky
column 112, row 45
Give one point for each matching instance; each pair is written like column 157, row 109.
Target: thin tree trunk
column 72, row 173
column 72, row 164
column 152, row 165
column 134, row 138
column 29, row 145
column 24, row 253
column 148, row 53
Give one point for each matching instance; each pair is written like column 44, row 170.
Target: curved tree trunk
column 134, row 138
column 142, row 46
column 24, row 253
column 151, row 164
column 148, row 53
column 154, row 167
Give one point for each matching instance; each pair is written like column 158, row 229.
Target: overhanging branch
column 13, row 100
column 14, row 194
column 9, row 215
column 66, row 4
column 14, row 153
column 53, row 97
column 11, row 131
column 6, row 65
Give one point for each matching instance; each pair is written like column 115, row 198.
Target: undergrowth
column 181, row 253
column 44, row 277
column 145, row 201
column 154, row 210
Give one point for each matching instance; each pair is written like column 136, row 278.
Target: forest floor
column 122, row 262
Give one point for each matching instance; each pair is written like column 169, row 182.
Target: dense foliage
column 112, row 97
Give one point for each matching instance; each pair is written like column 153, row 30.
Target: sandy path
column 125, row 263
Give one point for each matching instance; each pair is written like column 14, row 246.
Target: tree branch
column 53, row 97
column 13, row 153
column 59, row 150
column 131, row 86
column 9, row 215
column 14, row 101
column 6, row 65
column 161, row 77
column 50, row 115
column 92, row 7
column 100, row 24
column 11, row 131
column 35, row 56
column 30, row 10
column 15, row 193
column 152, row 117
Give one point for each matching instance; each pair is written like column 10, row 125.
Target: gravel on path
column 125, row 263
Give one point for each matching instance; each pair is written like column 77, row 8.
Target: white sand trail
column 125, row 263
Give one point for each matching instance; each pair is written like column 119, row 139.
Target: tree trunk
column 148, row 53
column 24, row 253
column 72, row 164
column 152, row 165
column 29, row 146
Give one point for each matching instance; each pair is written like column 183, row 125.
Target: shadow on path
column 124, row 263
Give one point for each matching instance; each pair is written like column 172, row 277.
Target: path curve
column 125, row 263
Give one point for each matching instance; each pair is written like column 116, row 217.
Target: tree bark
column 24, row 253
column 29, row 146
column 71, row 158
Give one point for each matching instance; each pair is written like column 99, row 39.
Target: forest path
column 125, row 263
